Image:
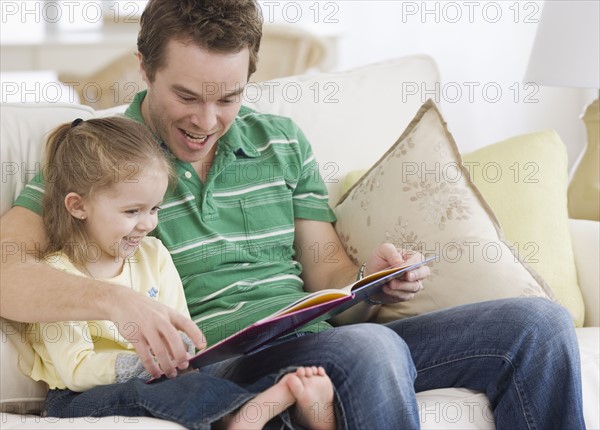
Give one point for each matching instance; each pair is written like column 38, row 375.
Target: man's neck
column 202, row 167
column 145, row 112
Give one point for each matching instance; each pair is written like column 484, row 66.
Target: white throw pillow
column 419, row 196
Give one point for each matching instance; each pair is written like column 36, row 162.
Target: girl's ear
column 75, row 204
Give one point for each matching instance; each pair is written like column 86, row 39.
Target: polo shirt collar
column 134, row 112
column 236, row 141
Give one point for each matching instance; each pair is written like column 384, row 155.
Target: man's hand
column 153, row 330
column 401, row 289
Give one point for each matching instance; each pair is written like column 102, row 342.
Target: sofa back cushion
column 350, row 117
column 23, row 130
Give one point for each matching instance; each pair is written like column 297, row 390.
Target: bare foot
column 313, row 391
column 308, row 387
column 265, row 406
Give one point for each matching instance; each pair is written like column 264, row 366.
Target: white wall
column 481, row 47
column 482, row 50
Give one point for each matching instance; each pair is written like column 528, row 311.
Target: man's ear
column 76, row 206
column 140, row 58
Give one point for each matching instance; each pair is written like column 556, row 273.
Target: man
column 241, row 243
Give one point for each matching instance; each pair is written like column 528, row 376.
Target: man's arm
column 326, row 265
column 32, row 291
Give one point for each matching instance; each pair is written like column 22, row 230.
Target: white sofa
column 351, row 118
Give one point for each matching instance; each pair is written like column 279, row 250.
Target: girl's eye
column 155, row 209
column 131, row 211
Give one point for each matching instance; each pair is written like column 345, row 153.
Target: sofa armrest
column 585, row 236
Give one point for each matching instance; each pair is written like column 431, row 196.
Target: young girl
column 105, row 181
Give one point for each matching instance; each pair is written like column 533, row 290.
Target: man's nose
column 205, row 117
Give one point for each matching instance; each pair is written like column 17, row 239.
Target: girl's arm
column 69, row 348
column 31, row 291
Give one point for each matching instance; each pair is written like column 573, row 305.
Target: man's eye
column 187, row 99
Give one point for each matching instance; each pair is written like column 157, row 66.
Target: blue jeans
column 194, row 400
column 522, row 353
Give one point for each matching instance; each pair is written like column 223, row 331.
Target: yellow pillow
column 524, row 179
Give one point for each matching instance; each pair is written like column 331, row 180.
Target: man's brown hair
column 226, row 26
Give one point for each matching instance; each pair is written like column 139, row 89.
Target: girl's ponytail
column 56, row 137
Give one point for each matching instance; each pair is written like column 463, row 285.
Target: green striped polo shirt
column 232, row 238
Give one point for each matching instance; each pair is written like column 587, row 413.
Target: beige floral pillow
column 419, row 196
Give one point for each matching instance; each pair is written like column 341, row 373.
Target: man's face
column 195, row 98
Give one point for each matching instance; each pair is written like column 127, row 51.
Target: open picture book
column 313, row 307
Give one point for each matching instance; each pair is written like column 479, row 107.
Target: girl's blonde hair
column 86, row 157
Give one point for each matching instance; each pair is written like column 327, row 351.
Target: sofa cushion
column 524, row 179
column 35, row 422
column 455, row 408
column 419, row 196
column 18, row 393
column 23, row 132
column 350, row 117
column 589, row 349
column 587, row 255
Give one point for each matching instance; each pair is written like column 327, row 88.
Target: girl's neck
column 103, row 269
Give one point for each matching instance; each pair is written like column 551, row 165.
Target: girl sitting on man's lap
column 105, row 182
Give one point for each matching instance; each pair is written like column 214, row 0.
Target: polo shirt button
column 188, row 174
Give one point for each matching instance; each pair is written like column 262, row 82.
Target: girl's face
column 119, row 217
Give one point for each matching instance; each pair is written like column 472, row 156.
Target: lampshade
column 566, row 51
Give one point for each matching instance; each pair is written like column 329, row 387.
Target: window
column 25, row 22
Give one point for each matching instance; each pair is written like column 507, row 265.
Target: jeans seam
column 339, row 411
column 239, row 402
column 340, row 418
column 524, row 409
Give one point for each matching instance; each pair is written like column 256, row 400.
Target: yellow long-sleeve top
column 80, row 355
